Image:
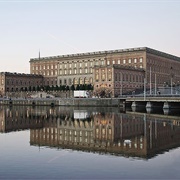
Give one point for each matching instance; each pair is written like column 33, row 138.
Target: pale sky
column 58, row 27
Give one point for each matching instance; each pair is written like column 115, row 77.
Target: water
column 88, row 143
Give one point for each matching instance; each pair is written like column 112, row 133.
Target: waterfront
column 87, row 143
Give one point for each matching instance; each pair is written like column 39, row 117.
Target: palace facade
column 121, row 71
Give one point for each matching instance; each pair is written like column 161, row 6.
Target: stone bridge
column 165, row 102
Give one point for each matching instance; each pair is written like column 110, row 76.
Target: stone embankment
column 97, row 102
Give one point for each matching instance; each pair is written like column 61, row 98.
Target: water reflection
column 101, row 130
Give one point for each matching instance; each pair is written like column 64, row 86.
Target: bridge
column 165, row 102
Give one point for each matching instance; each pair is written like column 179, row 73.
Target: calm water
column 88, row 143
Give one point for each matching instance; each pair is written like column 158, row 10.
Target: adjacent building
column 15, row 82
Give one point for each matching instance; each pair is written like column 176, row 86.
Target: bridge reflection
column 102, row 130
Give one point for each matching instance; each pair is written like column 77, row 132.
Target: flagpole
column 150, row 82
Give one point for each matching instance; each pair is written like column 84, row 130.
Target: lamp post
column 171, row 80
column 171, row 86
column 150, row 82
column 144, row 89
column 155, row 86
column 121, row 84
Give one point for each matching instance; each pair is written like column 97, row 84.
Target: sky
column 59, row 27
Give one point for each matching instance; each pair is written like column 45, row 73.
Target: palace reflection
column 95, row 130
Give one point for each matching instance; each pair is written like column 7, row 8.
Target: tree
column 38, row 88
column 67, row 88
column 52, row 88
column 30, row 88
column 78, row 87
column 56, row 88
column 42, row 88
column 63, row 87
column 89, row 87
column 47, row 88
column 72, row 87
column 60, row 88
column 86, row 87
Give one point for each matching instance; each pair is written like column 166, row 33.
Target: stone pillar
column 166, row 105
column 134, row 104
column 149, row 104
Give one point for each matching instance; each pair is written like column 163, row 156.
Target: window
column 124, row 61
column 103, row 77
column 135, row 60
column 141, row 60
column 119, row 61
column 129, row 60
column 102, row 62
column 113, row 61
column 109, row 75
column 108, row 62
column 91, row 70
column 97, row 77
column 80, row 64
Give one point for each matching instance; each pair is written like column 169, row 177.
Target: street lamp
column 155, row 86
column 121, row 84
column 144, row 89
column 171, row 80
column 150, row 83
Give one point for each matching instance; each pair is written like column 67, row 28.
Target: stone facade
column 48, row 68
column 161, row 69
column 15, row 82
column 114, row 80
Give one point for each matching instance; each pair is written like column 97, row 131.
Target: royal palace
column 115, row 72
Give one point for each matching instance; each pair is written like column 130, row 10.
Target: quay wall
column 97, row 102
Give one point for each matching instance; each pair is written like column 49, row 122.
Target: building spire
column 39, row 54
